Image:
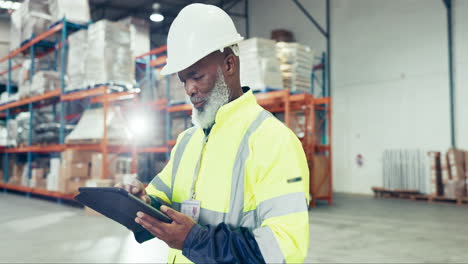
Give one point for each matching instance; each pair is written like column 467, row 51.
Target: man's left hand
column 173, row 234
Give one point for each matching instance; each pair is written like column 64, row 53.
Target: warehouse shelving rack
column 317, row 111
column 63, row 27
column 96, row 95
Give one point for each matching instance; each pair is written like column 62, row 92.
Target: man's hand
column 173, row 234
column 136, row 188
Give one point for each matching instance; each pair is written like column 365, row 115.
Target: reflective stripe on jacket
column 251, row 173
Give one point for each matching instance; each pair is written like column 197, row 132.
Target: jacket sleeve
column 281, row 194
column 221, row 244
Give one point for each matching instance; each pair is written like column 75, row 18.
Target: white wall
column 461, row 70
column 389, row 76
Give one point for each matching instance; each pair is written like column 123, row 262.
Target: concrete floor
column 357, row 229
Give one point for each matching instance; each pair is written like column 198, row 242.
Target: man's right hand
column 136, row 188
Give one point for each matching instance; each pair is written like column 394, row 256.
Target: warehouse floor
column 357, row 229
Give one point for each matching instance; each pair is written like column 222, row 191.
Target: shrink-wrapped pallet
column 176, row 88
column 35, row 18
column 139, row 35
column 259, row 67
column 90, row 128
column 296, row 65
column 76, row 70
column 45, row 81
column 109, row 58
column 76, row 11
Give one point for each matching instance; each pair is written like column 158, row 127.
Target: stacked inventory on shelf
column 42, row 123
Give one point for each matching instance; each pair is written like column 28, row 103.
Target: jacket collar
column 234, row 108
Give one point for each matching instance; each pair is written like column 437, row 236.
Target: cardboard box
column 457, row 173
column 125, row 178
column 466, row 187
column 37, row 173
column 14, row 179
column 37, row 178
column 100, row 183
column 456, row 164
column 96, row 166
column 454, row 189
column 40, row 183
column 466, row 164
column 436, row 173
column 455, row 156
column 70, row 186
column 320, row 175
column 74, row 170
column 73, row 156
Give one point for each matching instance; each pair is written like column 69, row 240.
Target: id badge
column 191, row 208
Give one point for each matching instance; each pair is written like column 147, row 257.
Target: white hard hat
column 197, row 31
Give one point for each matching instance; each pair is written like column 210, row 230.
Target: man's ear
column 230, row 64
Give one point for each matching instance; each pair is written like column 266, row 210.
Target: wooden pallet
column 386, row 193
column 416, row 196
column 442, row 199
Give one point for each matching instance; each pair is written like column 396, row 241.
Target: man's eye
column 197, row 78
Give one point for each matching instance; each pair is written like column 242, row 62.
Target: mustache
column 195, row 99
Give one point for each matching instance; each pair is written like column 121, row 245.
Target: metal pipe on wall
column 247, row 22
column 328, row 50
column 448, row 6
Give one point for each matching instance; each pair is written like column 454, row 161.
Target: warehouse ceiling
column 118, row 9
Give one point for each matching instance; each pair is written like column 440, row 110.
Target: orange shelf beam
column 116, row 148
column 84, row 94
column 319, row 101
column 171, row 143
column 51, row 94
column 153, row 51
column 158, row 61
column 180, row 108
column 152, row 149
column 37, row 191
column 84, row 147
column 113, row 97
column 17, row 66
column 35, row 40
column 159, row 104
column 37, row 149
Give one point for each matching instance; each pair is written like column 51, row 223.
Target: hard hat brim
column 171, row 68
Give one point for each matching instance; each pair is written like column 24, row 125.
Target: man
column 236, row 184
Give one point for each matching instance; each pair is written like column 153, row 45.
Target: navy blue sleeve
column 221, row 244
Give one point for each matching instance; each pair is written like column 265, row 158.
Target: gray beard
column 205, row 118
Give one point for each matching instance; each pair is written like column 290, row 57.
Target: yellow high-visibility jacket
column 252, row 179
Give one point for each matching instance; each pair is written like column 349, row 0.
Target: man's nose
column 190, row 87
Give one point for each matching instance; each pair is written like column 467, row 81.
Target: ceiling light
column 9, row 5
column 156, row 16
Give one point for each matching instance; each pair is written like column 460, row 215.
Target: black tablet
column 120, row 206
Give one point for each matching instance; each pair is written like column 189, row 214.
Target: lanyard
column 197, row 169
